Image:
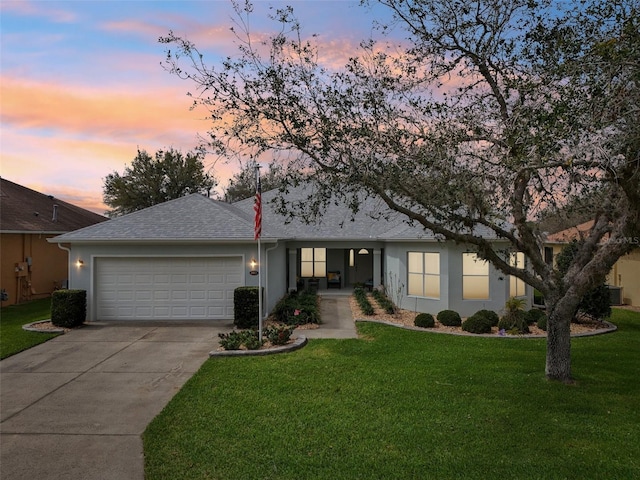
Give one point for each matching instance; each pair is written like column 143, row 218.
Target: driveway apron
column 75, row 407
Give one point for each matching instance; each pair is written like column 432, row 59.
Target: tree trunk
column 558, row 365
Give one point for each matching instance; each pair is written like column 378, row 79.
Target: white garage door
column 158, row 288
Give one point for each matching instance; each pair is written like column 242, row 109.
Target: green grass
column 404, row 404
column 13, row 338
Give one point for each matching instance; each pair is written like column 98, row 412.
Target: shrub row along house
column 182, row 260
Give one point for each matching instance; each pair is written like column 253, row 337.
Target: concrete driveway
column 75, row 406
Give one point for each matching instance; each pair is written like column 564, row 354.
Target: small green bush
column 237, row 338
column 477, row 323
column 231, row 340
column 490, row 315
column 252, row 340
column 542, row 322
column 449, row 318
column 68, row 308
column 384, row 301
column 278, row 335
column 297, row 308
column 514, row 322
column 363, row 301
column 245, row 307
column 533, row 315
column 424, row 320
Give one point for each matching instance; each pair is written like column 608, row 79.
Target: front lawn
column 405, row 404
column 13, row 338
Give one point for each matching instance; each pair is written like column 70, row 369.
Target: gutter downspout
column 68, row 250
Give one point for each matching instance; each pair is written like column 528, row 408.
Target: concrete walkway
column 75, row 406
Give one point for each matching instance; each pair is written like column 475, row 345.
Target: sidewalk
column 337, row 321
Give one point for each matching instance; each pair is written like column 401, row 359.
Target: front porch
column 330, row 270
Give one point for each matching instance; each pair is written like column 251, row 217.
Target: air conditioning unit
column 616, row 295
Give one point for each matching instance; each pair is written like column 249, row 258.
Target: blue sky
column 82, row 87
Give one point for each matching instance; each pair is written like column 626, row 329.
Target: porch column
column 377, row 267
column 293, row 263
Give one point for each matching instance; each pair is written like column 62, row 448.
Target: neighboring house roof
column 185, row 219
column 572, row 233
column 197, row 218
column 23, row 210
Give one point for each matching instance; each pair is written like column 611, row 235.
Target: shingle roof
column 197, row 218
column 25, row 210
column 189, row 218
column 373, row 221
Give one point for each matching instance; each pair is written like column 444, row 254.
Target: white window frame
column 313, row 262
column 470, row 274
column 423, row 274
column 517, row 287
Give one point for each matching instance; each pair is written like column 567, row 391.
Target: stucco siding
column 48, row 266
column 83, row 277
column 451, row 273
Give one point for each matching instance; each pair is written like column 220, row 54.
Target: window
column 475, row 277
column 423, row 269
column 517, row 287
column 313, row 262
column 548, row 255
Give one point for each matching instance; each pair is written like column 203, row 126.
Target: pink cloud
column 137, row 27
column 39, row 9
column 132, row 112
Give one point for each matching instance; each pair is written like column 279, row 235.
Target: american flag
column 257, row 207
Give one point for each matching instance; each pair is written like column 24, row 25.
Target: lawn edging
column 610, row 327
column 298, row 343
column 32, row 327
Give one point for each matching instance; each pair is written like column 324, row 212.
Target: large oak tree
column 486, row 114
column 151, row 180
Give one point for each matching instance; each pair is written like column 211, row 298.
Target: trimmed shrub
column 251, row 340
column 424, row 320
column 237, row 338
column 477, row 323
column 597, row 303
column 489, row 315
column 245, row 307
column 363, row 301
column 514, row 322
column 534, row 315
column 297, row 308
column 278, row 335
column 542, row 322
column 68, row 308
column 384, row 301
column 231, row 340
column 449, row 318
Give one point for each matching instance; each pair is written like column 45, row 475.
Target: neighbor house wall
column 626, row 274
column 48, row 268
column 83, row 277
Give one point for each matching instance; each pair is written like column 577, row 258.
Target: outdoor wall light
column 254, row 267
column 79, row 263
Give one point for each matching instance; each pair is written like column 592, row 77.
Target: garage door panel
column 160, row 295
column 166, row 288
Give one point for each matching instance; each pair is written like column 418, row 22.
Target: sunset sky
column 82, row 88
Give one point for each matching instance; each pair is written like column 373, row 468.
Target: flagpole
column 258, row 234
